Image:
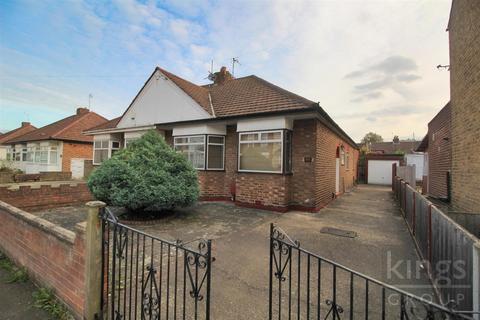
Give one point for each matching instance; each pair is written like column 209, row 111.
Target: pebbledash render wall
column 309, row 187
column 75, row 150
column 464, row 31
column 53, row 256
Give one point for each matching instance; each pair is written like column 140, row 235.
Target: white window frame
column 215, row 144
column 281, row 140
column 101, row 148
column 175, row 144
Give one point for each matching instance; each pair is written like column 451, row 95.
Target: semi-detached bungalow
column 51, row 148
column 252, row 142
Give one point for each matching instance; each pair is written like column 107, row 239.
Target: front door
column 337, row 175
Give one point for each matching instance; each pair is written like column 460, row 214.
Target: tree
column 148, row 175
column 372, row 137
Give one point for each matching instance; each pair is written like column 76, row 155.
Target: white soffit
column 219, row 129
column 264, row 124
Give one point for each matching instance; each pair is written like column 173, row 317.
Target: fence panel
column 447, row 247
column 452, row 257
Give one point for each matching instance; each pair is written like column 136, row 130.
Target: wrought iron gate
column 145, row 277
column 304, row 285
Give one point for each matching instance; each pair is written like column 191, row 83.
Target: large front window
column 264, row 151
column 203, row 151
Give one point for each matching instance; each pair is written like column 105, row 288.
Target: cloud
column 390, row 74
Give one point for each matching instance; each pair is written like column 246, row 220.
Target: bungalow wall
column 310, row 186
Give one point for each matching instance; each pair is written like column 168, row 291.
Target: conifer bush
column 148, row 175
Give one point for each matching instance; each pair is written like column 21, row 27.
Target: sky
column 370, row 64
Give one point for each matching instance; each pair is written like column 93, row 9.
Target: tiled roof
column 391, row 147
column 106, row 125
column 27, row 127
column 69, row 128
column 253, row 95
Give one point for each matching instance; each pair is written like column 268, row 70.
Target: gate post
column 93, row 261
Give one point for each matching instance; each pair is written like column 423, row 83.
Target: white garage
column 380, row 171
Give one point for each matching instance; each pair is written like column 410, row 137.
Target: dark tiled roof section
column 69, row 128
column 423, row 146
column 252, row 95
column 391, row 148
column 106, row 125
column 16, row 133
column 197, row 93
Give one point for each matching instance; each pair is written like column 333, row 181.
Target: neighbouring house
column 52, row 147
column 464, row 31
column 26, row 127
column 437, row 146
column 251, row 141
column 396, row 146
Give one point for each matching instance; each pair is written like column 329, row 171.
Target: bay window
column 193, row 148
column 203, row 151
column 265, row 151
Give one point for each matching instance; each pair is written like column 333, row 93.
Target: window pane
column 181, row 140
column 115, row 144
column 215, row 157
column 53, row 157
column 215, row 139
column 97, row 144
column 261, row 156
column 271, row 136
column 194, row 153
column 100, row 155
column 199, row 139
column 43, row 156
column 105, row 144
column 249, row 137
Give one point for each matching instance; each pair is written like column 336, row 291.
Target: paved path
column 241, row 248
column 16, row 302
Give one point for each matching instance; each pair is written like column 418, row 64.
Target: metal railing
column 450, row 253
column 145, row 277
column 304, row 285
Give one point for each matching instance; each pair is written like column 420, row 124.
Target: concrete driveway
column 241, row 248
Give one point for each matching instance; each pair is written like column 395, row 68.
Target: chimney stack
column 82, row 111
column 24, row 124
column 222, row 76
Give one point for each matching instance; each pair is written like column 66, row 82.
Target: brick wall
column 47, row 195
column 314, row 151
column 439, row 153
column 326, row 153
column 53, row 256
column 75, row 150
column 464, row 31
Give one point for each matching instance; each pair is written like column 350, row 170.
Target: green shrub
column 146, row 176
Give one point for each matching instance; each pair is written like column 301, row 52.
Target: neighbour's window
column 17, row 154
column 100, row 151
column 262, row 151
column 193, row 148
column 342, row 156
column 43, row 154
column 53, row 155
column 115, row 147
column 9, row 154
column 30, row 153
column 347, row 160
column 215, row 152
column 24, row 154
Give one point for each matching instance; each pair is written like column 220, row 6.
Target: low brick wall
column 53, row 256
column 8, row 177
column 49, row 195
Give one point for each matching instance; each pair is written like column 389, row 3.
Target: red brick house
column 23, row 129
column 437, row 146
column 251, row 141
column 52, row 147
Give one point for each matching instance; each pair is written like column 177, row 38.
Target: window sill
column 264, row 172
